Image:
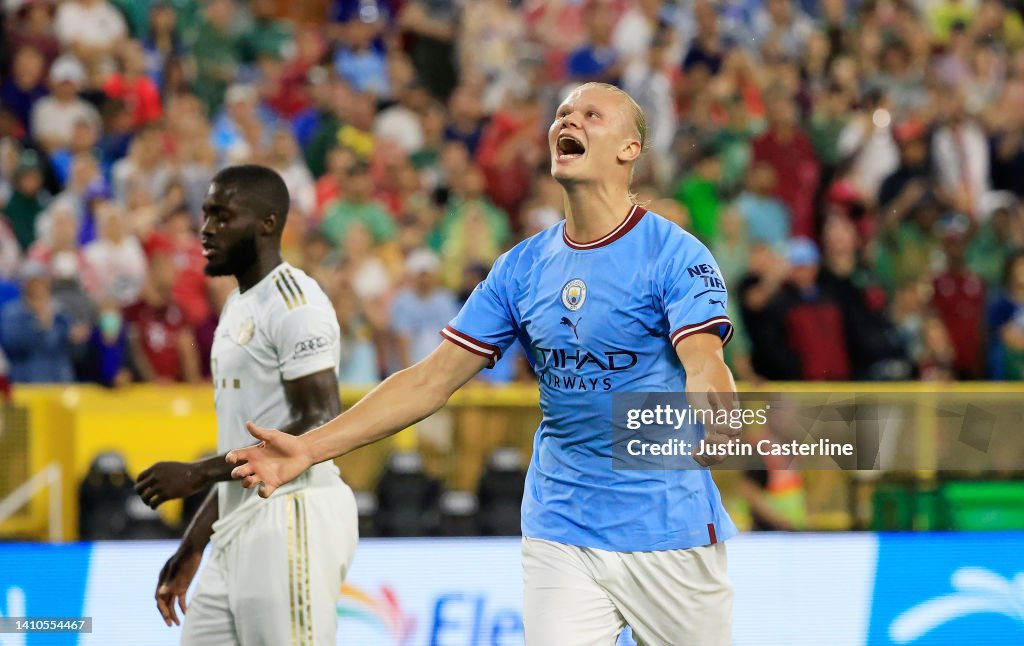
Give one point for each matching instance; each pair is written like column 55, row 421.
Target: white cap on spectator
column 422, row 260
column 67, row 68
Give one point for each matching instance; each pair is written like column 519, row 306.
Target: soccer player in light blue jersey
column 615, row 299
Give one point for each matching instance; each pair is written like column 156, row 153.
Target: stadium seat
column 407, row 498
column 500, row 493
column 109, row 508
column 366, row 506
column 459, row 513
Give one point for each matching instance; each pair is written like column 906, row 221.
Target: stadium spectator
column 765, row 217
column 28, row 199
column 358, row 205
column 285, row 157
column 146, row 165
column 216, row 50
column 597, row 59
column 115, row 259
column 53, row 117
column 698, row 192
column 24, row 86
column 161, row 40
column 1006, row 324
column 89, row 29
column 400, row 123
column 420, row 308
column 162, row 346
column 962, row 155
column 804, row 318
column 38, row 337
column 786, row 148
column 267, row 35
column 32, row 27
column 959, row 301
column 131, row 85
column 361, row 59
column 107, row 361
column 433, row 25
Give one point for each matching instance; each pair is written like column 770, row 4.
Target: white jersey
column 283, row 328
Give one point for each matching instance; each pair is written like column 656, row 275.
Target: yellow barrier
column 70, row 425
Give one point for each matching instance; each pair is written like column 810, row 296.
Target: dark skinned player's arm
column 313, row 401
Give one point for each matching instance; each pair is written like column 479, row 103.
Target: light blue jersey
column 595, row 319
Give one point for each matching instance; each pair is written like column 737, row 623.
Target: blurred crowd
column 856, row 167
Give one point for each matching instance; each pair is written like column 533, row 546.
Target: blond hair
column 636, row 112
column 639, row 121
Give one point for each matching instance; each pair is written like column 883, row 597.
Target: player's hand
column 718, row 434
column 173, row 583
column 279, row 458
column 169, row 481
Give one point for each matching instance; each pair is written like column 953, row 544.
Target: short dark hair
column 259, row 188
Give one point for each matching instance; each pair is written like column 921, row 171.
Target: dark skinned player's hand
column 175, row 578
column 169, row 481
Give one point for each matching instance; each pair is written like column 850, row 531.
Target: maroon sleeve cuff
column 477, row 347
column 706, row 326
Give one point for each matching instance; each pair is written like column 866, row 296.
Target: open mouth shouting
column 568, row 148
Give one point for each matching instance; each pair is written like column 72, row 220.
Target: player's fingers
column 161, row 605
column 142, row 482
column 262, row 434
column 241, row 471
column 231, row 457
column 250, row 481
column 265, row 490
column 181, row 603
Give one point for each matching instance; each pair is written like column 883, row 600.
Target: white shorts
column 579, row 596
column 278, row 579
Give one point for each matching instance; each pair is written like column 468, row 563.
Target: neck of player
column 594, row 210
column 266, row 260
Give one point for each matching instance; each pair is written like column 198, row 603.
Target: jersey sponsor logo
column 246, row 332
column 710, row 276
column 572, row 326
column 574, row 294
column 578, row 359
column 548, row 360
column 311, row 346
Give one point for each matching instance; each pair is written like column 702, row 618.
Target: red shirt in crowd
column 814, row 332
column 797, row 170
column 959, row 300
column 139, row 94
column 189, row 291
column 158, row 329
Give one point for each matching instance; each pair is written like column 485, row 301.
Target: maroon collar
column 634, row 216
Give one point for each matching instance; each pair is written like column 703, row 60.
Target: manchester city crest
column 574, row 294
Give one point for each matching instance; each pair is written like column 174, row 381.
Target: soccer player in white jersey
column 615, row 299
column 275, row 568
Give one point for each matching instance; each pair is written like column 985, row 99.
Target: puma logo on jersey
column 565, row 321
column 712, row 301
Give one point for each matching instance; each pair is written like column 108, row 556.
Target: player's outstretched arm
column 313, row 400
column 400, row 400
column 709, row 384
